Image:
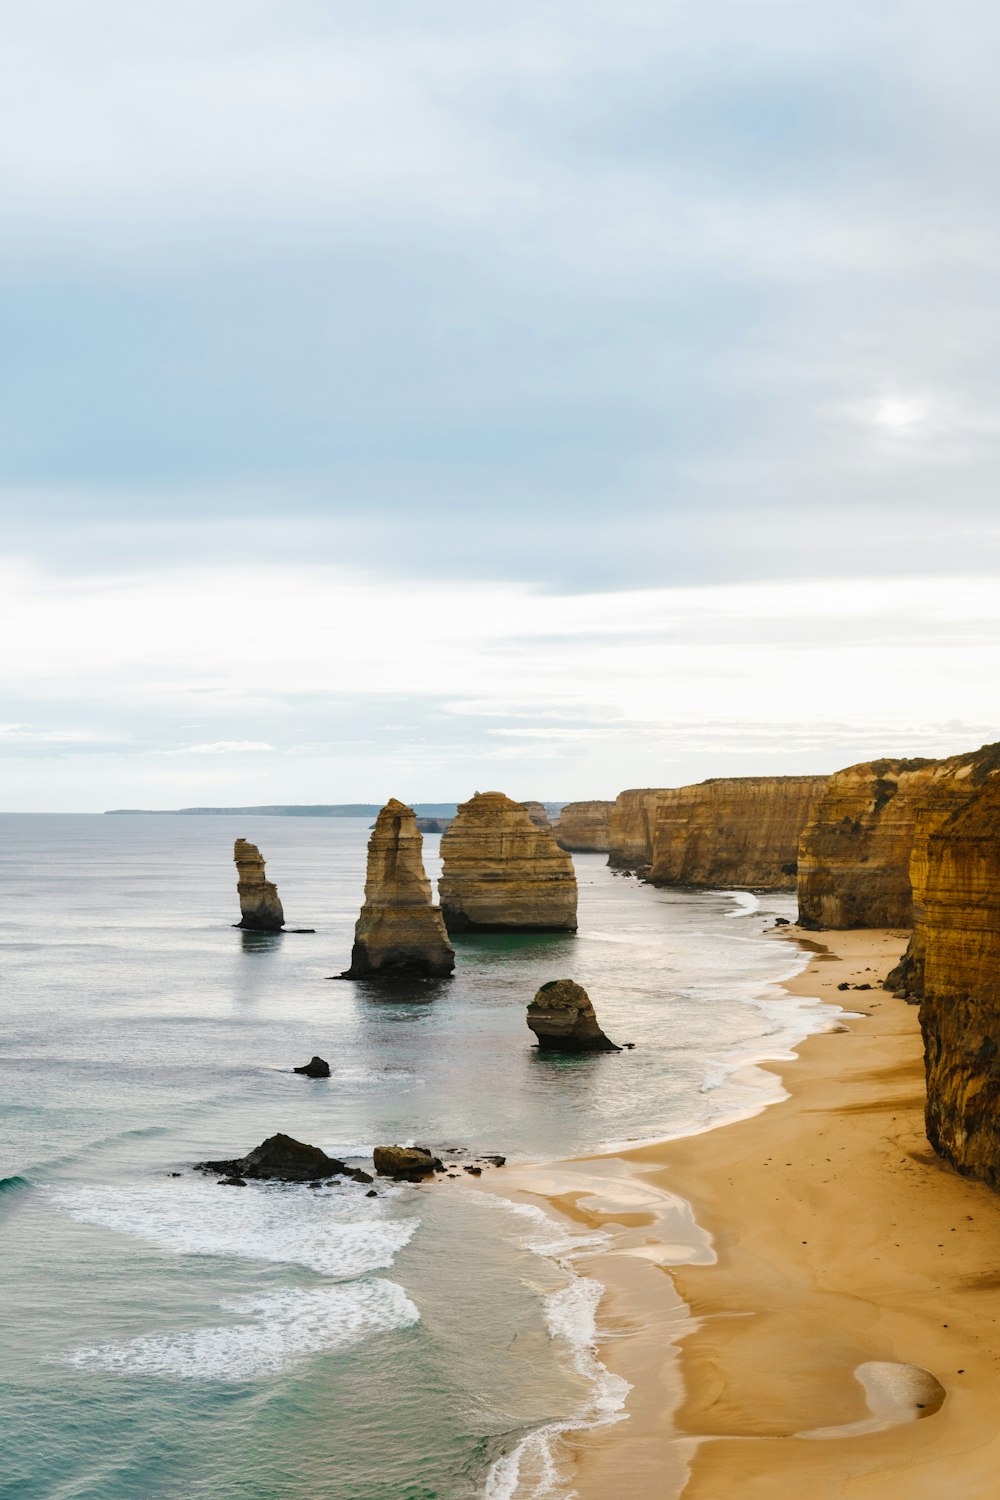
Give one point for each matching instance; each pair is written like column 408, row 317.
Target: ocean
column 166, row 1338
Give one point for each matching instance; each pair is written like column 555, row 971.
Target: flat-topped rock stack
column 502, row 873
column 400, row 933
column 260, row 908
column 585, row 826
column 733, row 831
column 538, row 813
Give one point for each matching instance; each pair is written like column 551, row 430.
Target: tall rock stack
column 538, row 813
column 400, row 933
column 585, row 826
column 960, row 1011
column 733, row 831
column 260, row 909
column 502, row 873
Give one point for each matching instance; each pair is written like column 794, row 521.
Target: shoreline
column 754, row 1266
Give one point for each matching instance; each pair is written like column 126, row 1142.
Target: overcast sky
column 400, row 399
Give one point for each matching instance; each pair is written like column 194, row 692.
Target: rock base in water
column 405, row 1163
column 563, row 1019
column 314, row 1068
column 280, row 1159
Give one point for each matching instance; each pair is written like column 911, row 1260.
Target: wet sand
column 806, row 1302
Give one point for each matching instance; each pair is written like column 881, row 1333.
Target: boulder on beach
column 280, row 1159
column 563, row 1019
column 405, row 1163
column 260, row 908
column 314, row 1068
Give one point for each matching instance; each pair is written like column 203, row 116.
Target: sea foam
column 336, row 1231
column 285, row 1327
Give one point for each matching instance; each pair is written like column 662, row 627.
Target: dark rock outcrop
column 563, row 1019
column 405, row 1163
column 314, row 1068
column 280, row 1159
column 400, row 933
column 259, row 905
column 502, row 873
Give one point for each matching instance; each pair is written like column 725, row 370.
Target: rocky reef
column 733, row 831
column 585, row 826
column 280, row 1158
column 960, row 1009
column 406, row 1163
column 260, row 909
column 632, row 824
column 502, row 873
column 400, row 933
column 563, row 1019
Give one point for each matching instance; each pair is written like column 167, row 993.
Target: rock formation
column 502, row 873
column 854, row 858
column 960, row 1011
column 400, row 933
column 314, row 1068
column 405, row 1163
column 280, row 1159
column 260, row 909
column 733, row 831
column 563, row 1019
column 538, row 813
column 585, row 826
column 632, row 823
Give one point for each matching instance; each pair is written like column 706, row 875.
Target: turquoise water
column 165, row 1337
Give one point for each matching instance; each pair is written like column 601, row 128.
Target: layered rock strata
column 502, row 873
column 585, row 826
column 632, row 824
column 400, row 933
column 538, row 813
column 854, row 857
column 260, row 909
column 563, row 1019
column 960, row 1010
column 733, row 831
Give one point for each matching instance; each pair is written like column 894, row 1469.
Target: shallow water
column 166, row 1337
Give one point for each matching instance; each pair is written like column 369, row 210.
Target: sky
column 558, row 397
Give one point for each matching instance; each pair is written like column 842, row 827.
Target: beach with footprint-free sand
column 804, row 1301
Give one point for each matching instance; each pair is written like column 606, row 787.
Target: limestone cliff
column 733, row 831
column 502, row 873
column 854, row 858
column 631, row 823
column 400, row 932
column 260, row 909
column 538, row 813
column 585, row 826
column 953, row 783
column 960, row 1011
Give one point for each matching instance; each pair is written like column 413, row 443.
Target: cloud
column 223, row 747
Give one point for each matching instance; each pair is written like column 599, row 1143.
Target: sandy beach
column 759, row 1270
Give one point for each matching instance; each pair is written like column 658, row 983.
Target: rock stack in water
column 400, row 933
column 585, row 826
column 563, row 1019
column 260, row 909
column 538, row 813
column 502, row 873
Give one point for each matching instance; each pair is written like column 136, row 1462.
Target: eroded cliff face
column 733, row 831
column 953, row 783
column 632, row 823
column 960, row 1011
column 585, row 826
column 260, row 908
column 854, row 856
column 400, row 932
column 538, row 813
column 503, row 873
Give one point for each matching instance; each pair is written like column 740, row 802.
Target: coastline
column 752, row 1268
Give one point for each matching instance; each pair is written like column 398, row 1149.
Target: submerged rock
column 314, row 1068
column 260, row 908
column 405, row 1163
column 400, row 933
column 280, row 1159
column 503, row 873
column 563, row 1019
